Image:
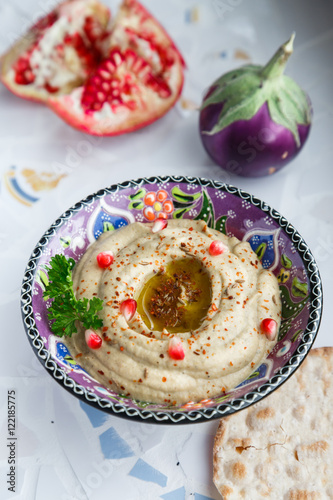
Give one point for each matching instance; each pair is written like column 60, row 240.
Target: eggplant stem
column 276, row 65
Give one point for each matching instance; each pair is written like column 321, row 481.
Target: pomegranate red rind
column 58, row 53
column 138, row 83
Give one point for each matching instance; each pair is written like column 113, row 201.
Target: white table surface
column 65, row 449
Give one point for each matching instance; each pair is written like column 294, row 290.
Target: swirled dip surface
column 221, row 353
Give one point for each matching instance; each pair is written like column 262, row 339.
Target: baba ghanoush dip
column 188, row 312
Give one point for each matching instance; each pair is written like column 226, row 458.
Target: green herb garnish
column 65, row 309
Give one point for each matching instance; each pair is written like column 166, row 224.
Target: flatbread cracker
column 282, row 447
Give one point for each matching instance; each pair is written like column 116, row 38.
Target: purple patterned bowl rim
column 193, row 415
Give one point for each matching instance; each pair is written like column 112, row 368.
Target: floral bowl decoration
column 226, row 208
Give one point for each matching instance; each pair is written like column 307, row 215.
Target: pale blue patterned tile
column 146, row 472
column 114, row 446
column 96, row 417
column 178, row 494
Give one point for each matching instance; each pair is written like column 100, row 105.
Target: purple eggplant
column 254, row 120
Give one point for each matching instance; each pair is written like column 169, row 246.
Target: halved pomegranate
column 59, row 52
column 139, row 81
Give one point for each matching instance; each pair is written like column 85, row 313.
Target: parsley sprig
column 65, row 309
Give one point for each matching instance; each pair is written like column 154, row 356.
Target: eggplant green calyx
column 275, row 66
column 242, row 92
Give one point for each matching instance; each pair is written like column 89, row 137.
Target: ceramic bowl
column 223, row 207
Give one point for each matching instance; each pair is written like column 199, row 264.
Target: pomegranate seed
column 109, row 66
column 100, row 96
column 105, row 259
column 92, row 29
column 159, row 224
column 269, row 328
column 19, row 79
column 93, row 340
column 128, row 309
column 175, row 349
column 131, row 105
column 117, row 58
column 216, row 248
column 51, row 89
column 96, row 80
column 105, row 87
column 105, row 74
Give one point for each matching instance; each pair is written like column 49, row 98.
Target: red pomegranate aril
column 158, row 85
column 104, row 259
column 93, row 340
column 50, row 89
column 88, row 97
column 117, row 58
column 22, row 64
column 159, row 225
column 29, row 76
column 105, row 74
column 115, row 105
column 106, row 86
column 216, row 248
column 92, row 29
column 128, row 309
column 138, row 65
column 67, row 39
column 131, row 105
column 108, row 71
column 109, row 66
column 24, row 74
column 19, row 79
column 96, row 106
column 100, row 96
column 269, row 328
column 176, row 349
